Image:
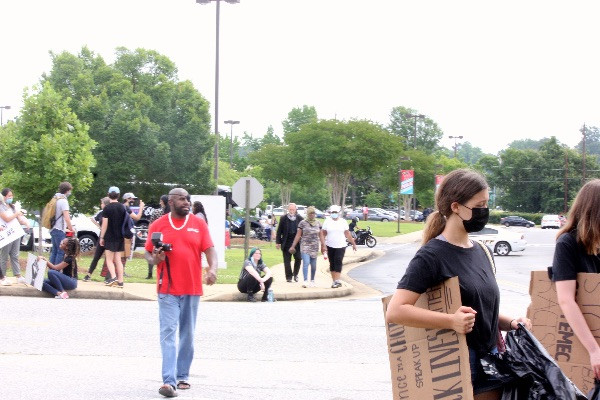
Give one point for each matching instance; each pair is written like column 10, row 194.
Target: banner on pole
column 438, row 181
column 407, row 181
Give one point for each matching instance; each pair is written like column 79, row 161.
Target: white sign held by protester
column 11, row 232
column 35, row 271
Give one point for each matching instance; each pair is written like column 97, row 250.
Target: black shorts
column 336, row 257
column 115, row 247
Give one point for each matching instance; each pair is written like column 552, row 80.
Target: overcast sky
column 492, row 72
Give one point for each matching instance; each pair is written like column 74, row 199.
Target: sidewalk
column 229, row 292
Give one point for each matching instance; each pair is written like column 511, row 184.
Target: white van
column 551, row 221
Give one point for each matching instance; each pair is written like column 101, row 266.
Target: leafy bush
column 496, row 215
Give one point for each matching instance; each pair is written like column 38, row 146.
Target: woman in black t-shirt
column 461, row 203
column 63, row 276
column 578, row 250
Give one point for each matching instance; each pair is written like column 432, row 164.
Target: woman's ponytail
column 435, row 225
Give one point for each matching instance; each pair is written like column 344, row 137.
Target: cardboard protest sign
column 35, row 271
column 11, row 232
column 551, row 328
column 430, row 363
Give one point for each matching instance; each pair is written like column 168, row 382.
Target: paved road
column 513, row 271
column 99, row 349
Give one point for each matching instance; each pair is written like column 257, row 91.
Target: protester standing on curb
column 158, row 212
column 309, row 231
column 462, row 207
column 11, row 250
column 334, row 234
column 62, row 222
column 286, row 232
column 255, row 276
column 128, row 200
column 577, row 248
column 111, row 237
column 97, row 220
column 179, row 284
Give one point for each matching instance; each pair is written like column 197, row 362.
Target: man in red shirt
column 179, row 285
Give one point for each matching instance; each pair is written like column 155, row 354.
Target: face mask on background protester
column 479, row 218
column 334, row 215
column 9, row 201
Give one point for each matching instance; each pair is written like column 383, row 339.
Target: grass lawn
column 137, row 268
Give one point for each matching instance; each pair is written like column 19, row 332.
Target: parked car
column 373, row 215
column 551, row 221
column 87, row 232
column 514, row 220
column 416, row 215
column 31, row 238
column 321, row 214
column 278, row 212
column 301, row 210
column 394, row 214
column 501, row 241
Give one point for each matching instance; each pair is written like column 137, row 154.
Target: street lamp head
column 230, row 121
column 208, row 1
column 5, row 107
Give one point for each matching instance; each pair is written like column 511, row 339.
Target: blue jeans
column 307, row 259
column 174, row 311
column 58, row 282
column 56, row 254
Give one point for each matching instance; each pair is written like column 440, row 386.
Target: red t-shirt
column 186, row 257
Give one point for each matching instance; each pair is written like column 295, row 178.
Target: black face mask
column 479, row 217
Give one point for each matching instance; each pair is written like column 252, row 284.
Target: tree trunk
column 286, row 193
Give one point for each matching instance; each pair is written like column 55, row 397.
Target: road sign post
column 248, row 192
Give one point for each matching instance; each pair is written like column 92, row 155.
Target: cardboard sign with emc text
column 430, row 363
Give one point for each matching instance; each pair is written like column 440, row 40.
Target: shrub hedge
column 496, row 215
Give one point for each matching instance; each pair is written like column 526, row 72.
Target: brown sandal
column 183, row 385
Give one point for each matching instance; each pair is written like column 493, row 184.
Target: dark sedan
column 516, row 221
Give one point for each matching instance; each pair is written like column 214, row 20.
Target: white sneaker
column 305, row 284
column 4, row 282
column 21, row 280
column 312, row 284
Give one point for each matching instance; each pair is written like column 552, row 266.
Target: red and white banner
column 407, row 177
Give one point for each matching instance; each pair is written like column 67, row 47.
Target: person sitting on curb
column 255, row 276
column 63, row 276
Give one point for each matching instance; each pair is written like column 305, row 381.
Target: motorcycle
column 364, row 236
column 238, row 227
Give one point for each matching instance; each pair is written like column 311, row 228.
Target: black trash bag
column 594, row 394
column 538, row 376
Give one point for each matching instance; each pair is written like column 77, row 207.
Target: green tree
column 527, row 144
column 277, row 163
column 298, row 117
column 152, row 130
column 592, row 142
column 270, row 137
column 45, row 146
column 427, row 134
column 339, row 149
column 469, row 153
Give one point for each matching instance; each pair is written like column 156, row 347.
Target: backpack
column 49, row 213
column 128, row 227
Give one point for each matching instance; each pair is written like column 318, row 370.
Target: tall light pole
column 216, row 174
column 415, row 116
column 455, row 143
column 583, row 131
column 231, row 123
column 1, row 109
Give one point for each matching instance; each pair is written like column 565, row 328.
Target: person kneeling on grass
column 255, row 276
column 63, row 276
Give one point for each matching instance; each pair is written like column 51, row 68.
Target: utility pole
column 415, row 116
column 566, row 182
column 583, row 130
